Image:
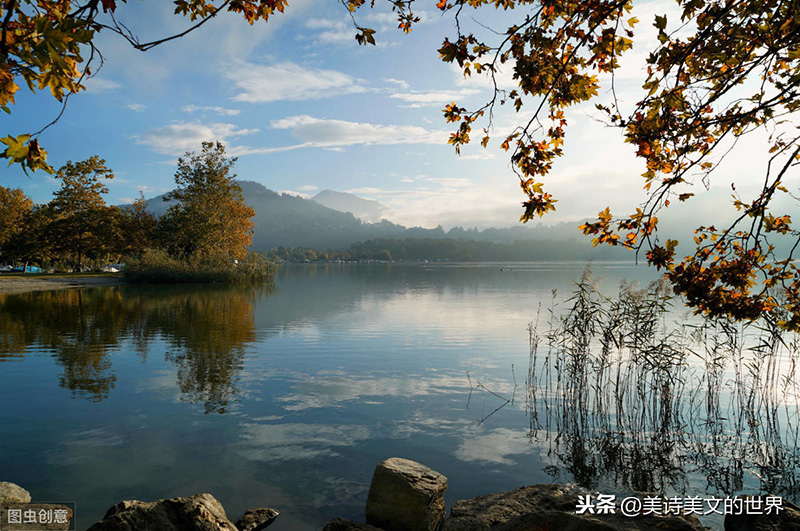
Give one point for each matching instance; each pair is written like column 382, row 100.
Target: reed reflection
column 621, row 397
column 206, row 331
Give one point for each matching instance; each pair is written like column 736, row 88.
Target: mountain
column 284, row 220
column 365, row 209
column 291, row 221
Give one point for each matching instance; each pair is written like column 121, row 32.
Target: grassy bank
column 159, row 268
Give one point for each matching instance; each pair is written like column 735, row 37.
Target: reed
column 157, row 267
column 625, row 395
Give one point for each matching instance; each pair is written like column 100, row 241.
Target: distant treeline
column 291, row 221
column 448, row 249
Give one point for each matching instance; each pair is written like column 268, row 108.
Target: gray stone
column 342, row 524
column 256, row 519
column 201, row 512
column 12, row 493
column 788, row 519
column 550, row 507
column 405, row 496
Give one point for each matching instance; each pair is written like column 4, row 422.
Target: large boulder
column 12, row 493
column 256, row 519
column 550, row 507
column 201, row 512
column 787, row 519
column 405, row 496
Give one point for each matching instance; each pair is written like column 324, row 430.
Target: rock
column 550, row 507
column 405, row 496
column 342, row 524
column 256, row 519
column 788, row 519
column 11, row 493
column 201, row 512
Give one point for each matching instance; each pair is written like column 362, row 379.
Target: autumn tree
column 34, row 242
column 14, row 205
column 138, row 228
column 724, row 70
column 83, row 225
column 209, row 218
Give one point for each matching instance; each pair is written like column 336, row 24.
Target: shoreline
column 19, row 284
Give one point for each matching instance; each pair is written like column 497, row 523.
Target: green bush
column 157, row 267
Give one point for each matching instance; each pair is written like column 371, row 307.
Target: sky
column 305, row 108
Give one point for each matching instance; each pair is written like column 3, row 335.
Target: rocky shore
column 407, row 496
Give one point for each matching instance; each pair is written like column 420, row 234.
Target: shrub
column 157, row 267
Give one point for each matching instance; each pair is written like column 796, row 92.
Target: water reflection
column 622, row 399
column 205, row 331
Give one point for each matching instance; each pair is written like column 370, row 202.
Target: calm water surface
column 286, row 397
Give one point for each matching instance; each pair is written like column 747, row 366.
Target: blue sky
column 305, row 108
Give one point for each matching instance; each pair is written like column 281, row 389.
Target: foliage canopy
column 209, row 217
column 722, row 71
column 80, row 220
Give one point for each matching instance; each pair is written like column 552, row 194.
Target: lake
column 289, row 396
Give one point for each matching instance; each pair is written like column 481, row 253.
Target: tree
column 209, row 219
column 383, row 255
column 84, row 225
column 725, row 70
column 34, row 242
column 138, row 226
column 14, row 205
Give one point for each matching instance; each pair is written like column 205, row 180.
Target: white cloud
column 481, row 155
column 290, row 81
column 399, row 82
column 380, row 18
column 307, row 188
column 177, row 138
column 441, row 97
column 337, row 35
column 333, row 31
column 96, row 85
column 136, row 107
column 334, row 134
column 389, row 19
column 368, row 190
column 321, row 23
column 218, row 110
column 321, row 132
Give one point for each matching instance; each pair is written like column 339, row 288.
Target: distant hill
column 292, row 221
column 364, row 209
